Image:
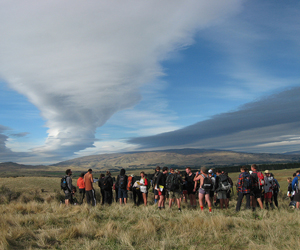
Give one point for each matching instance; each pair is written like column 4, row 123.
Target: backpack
column 129, row 183
column 298, row 186
column 155, row 178
column 172, row 182
column 224, row 182
column 149, row 183
column 261, row 179
column 121, row 183
column 247, row 180
column 207, row 184
column 106, row 184
column 64, row 184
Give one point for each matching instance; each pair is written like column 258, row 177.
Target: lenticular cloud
column 80, row 62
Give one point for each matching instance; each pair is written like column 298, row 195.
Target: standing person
column 213, row 180
column 244, row 188
column 290, row 189
column 205, row 188
column 81, row 187
column 107, row 187
column 89, row 189
column 190, row 186
column 121, row 183
column 161, row 187
column 101, row 186
column 143, row 187
column 296, row 188
column 268, row 187
column 257, row 186
column 222, row 187
column 229, row 191
column 154, row 183
column 69, row 187
column 276, row 189
column 174, row 184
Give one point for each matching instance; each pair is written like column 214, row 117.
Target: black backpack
column 172, row 182
column 247, row 180
column 122, row 183
column 155, row 178
column 207, row 184
column 64, row 184
column 106, row 184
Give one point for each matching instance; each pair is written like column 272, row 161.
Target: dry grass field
column 34, row 219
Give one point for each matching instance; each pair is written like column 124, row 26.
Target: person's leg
column 207, row 198
column 145, row 199
column 248, row 201
column 201, row 196
column 297, row 204
column 221, row 203
column 102, row 194
column 161, row 201
column 260, row 203
column 88, row 197
column 276, row 199
column 178, row 203
column 239, row 201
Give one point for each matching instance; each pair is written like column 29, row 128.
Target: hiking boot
column 179, row 209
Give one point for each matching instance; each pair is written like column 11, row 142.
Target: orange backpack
column 129, row 183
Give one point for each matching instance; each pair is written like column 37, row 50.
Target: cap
column 210, row 171
column 267, row 172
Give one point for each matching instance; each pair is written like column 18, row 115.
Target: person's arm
column 277, row 183
column 145, row 182
column 69, row 183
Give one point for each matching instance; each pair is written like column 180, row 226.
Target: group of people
column 209, row 186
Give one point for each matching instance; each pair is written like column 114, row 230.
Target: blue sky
column 90, row 78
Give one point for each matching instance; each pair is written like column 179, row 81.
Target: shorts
column 268, row 195
column 163, row 192
column 297, row 197
column 190, row 191
column 222, row 195
column 211, row 194
column 122, row 193
column 155, row 192
column 173, row 195
column 68, row 196
column 256, row 193
column 202, row 191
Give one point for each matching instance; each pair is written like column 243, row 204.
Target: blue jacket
column 295, row 183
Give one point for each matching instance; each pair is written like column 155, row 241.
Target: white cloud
column 81, row 62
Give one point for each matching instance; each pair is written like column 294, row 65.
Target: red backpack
column 261, row 179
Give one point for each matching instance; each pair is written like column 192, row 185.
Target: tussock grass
column 33, row 219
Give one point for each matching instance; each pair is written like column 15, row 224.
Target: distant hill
column 176, row 157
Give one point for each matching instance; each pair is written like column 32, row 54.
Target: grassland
column 32, row 218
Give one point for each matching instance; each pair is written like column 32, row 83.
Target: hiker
column 222, row 187
column 190, row 186
column 257, row 186
column 161, row 187
column 143, row 187
column 174, row 186
column 290, row 192
column 244, row 188
column 136, row 193
column 101, row 186
column 89, row 189
column 81, row 187
column 68, row 191
column 121, row 184
column 296, row 188
column 154, row 183
column 268, row 188
column 229, row 191
column 107, row 187
column 213, row 180
column 276, row 189
column 205, row 187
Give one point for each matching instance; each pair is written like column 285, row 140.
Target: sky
column 90, row 77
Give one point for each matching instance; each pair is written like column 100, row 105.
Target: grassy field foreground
column 32, row 219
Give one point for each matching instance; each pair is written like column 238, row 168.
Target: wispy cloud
column 81, row 62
